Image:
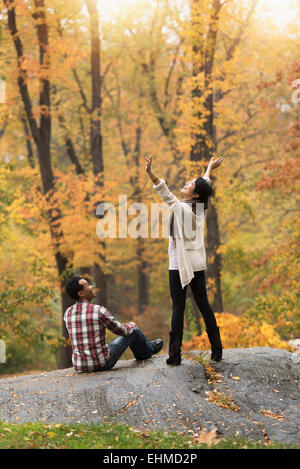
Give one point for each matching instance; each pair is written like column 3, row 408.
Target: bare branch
column 81, row 91
column 4, row 127
column 171, row 70
column 230, row 50
column 236, row 173
column 245, row 137
column 22, row 76
column 242, row 28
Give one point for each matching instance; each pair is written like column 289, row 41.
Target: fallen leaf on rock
column 236, row 377
column 271, row 414
column 126, row 407
column 205, row 438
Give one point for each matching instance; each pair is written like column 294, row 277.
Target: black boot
column 216, row 344
column 157, row 345
column 175, row 348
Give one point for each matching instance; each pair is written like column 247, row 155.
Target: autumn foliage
column 177, row 82
column 240, row 332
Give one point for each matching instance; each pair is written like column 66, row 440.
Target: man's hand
column 132, row 323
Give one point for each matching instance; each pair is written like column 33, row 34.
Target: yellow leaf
column 271, row 414
column 205, row 438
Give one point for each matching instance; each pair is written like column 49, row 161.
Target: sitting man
column 86, row 324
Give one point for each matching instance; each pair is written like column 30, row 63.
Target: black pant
column 178, row 294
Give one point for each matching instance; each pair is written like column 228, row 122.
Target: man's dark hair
column 73, row 287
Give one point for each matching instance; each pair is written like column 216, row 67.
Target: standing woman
column 187, row 256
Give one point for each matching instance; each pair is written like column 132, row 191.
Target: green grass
column 110, row 436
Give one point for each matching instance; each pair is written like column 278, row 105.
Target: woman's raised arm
column 161, row 187
column 148, row 167
column 213, row 164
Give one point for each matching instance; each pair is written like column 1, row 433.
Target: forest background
column 86, row 88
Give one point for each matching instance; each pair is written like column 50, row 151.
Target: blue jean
column 140, row 346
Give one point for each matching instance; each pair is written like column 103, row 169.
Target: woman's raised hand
column 148, row 161
column 215, row 163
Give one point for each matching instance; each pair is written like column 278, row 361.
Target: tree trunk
column 196, row 313
column 65, row 359
column 42, row 137
column 96, row 137
column 204, row 140
column 30, row 155
column 214, row 267
column 143, row 278
column 135, row 154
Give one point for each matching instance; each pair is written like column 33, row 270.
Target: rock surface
column 262, row 382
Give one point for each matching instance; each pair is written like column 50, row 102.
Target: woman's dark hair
column 204, row 189
column 73, row 287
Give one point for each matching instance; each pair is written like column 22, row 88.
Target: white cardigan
column 189, row 229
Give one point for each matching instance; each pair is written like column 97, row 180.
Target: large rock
column 263, row 383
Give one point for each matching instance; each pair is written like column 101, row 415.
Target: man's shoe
column 157, row 345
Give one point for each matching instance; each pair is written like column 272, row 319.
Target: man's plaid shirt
column 86, row 324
